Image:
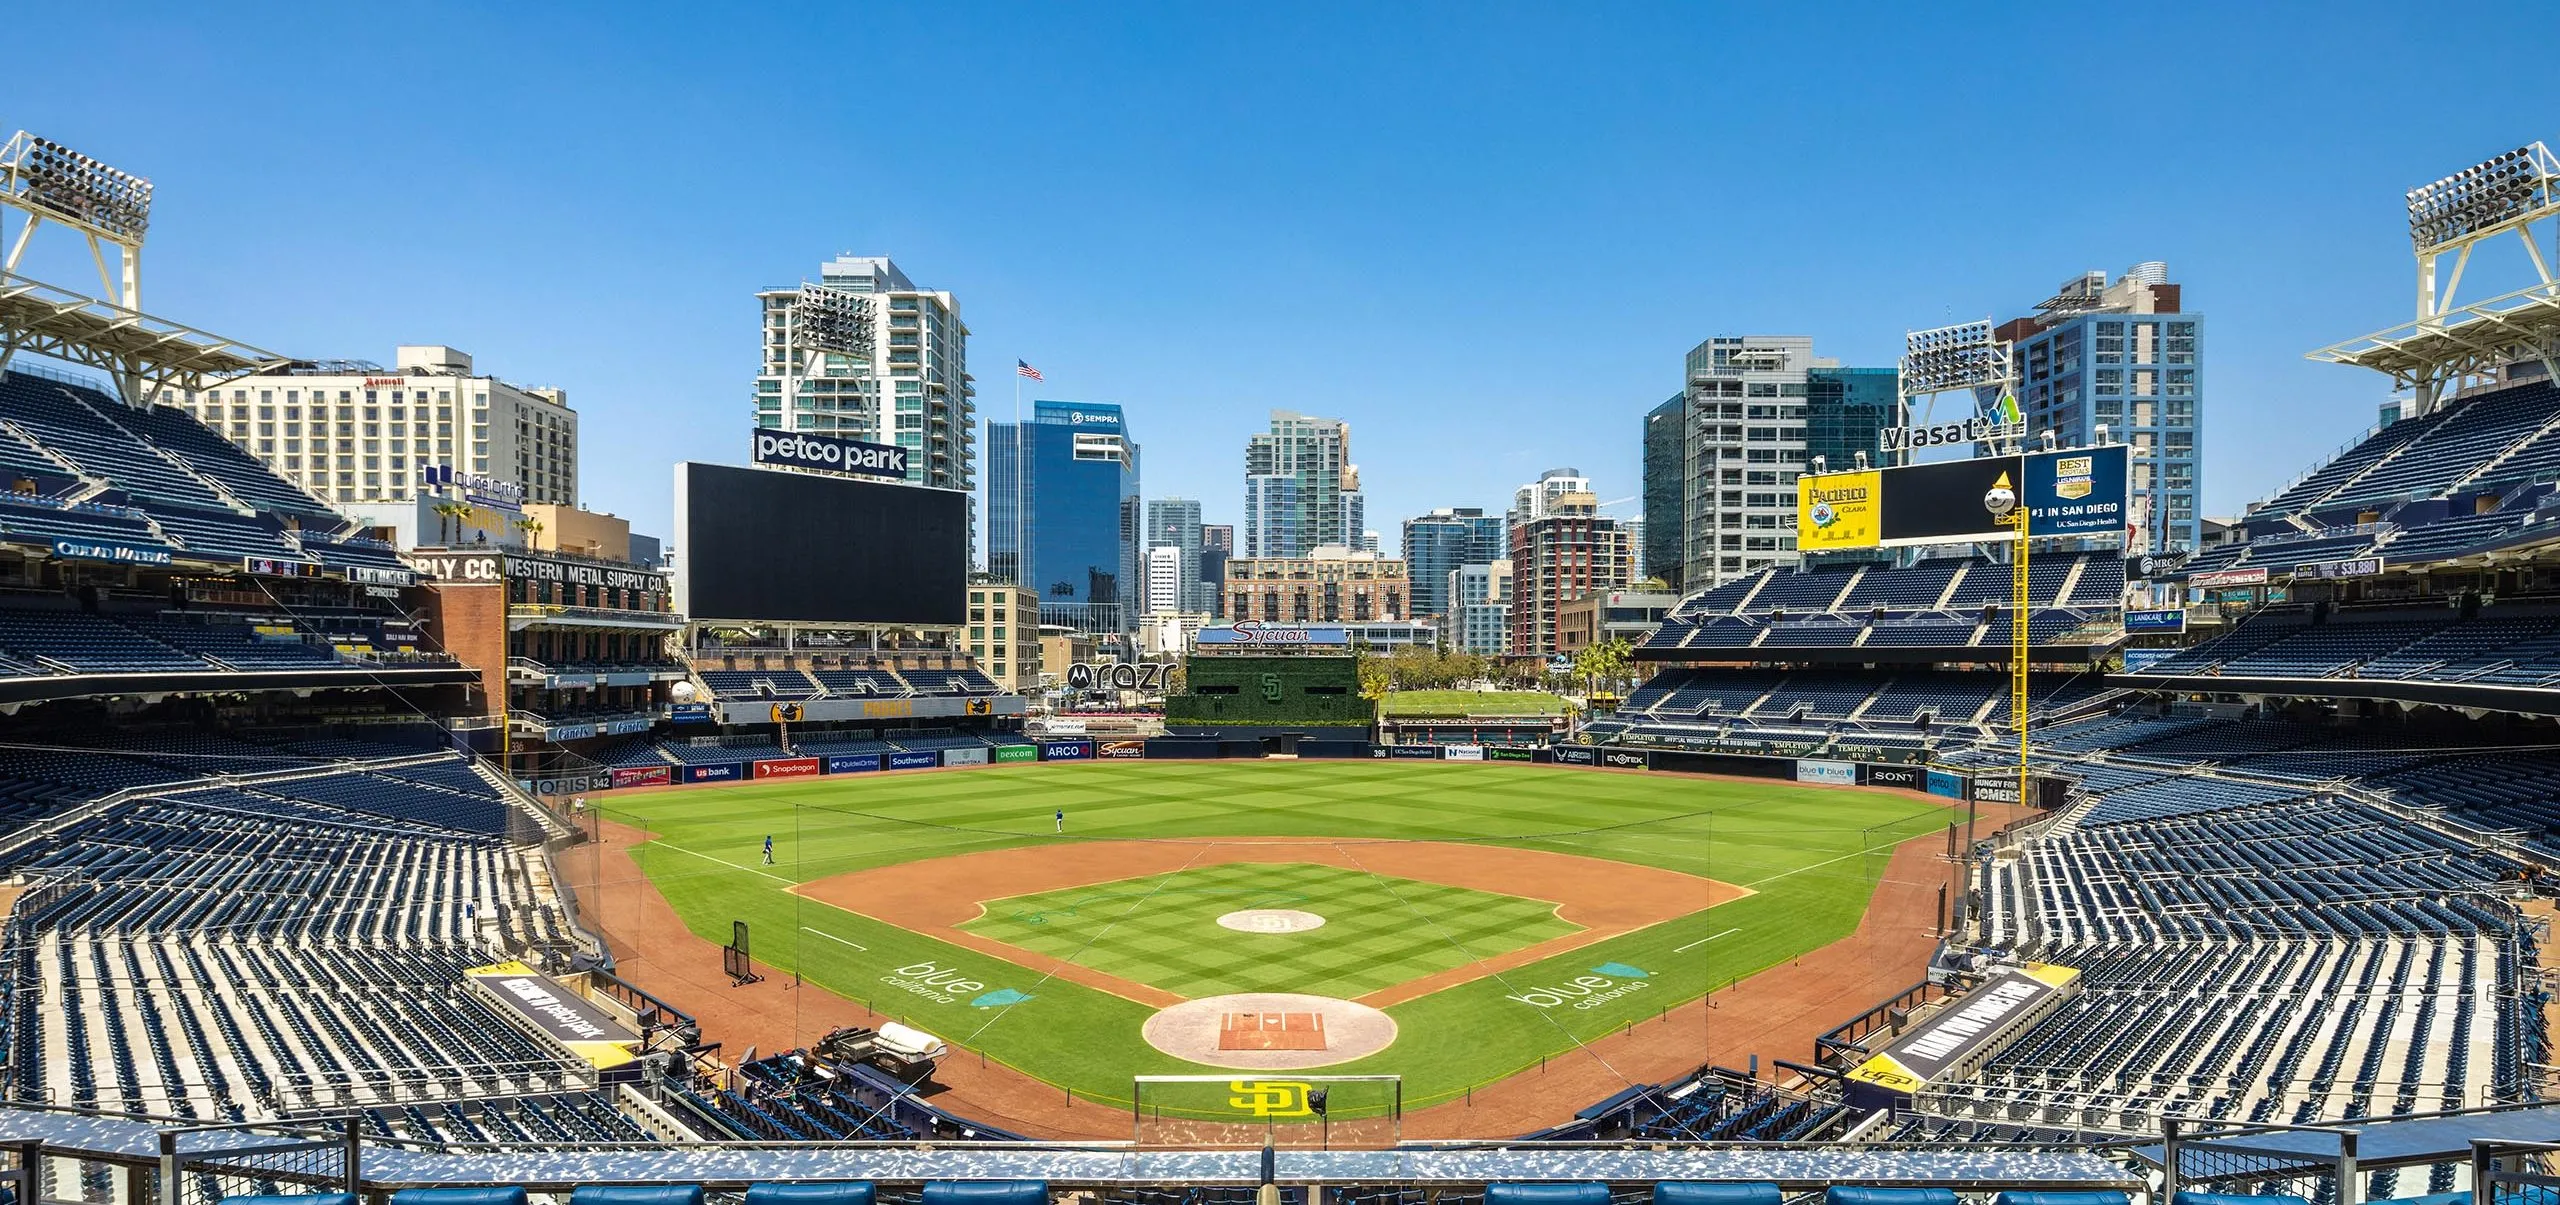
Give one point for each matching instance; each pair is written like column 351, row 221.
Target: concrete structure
column 1479, row 619
column 1565, row 551
column 1721, row 458
column 1004, row 634
column 1059, row 648
column 583, row 532
column 2127, row 358
column 1063, row 515
column 913, row 390
column 1437, row 543
column 1175, row 523
column 1301, row 491
column 354, row 433
column 1164, row 579
column 1332, row 584
column 1170, row 633
column 1627, row 615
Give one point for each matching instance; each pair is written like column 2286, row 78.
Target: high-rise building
column 1442, row 541
column 1301, row 490
column 1217, row 547
column 1004, row 634
column 1755, row 411
column 1063, row 514
column 1567, row 549
column 1164, row 579
column 354, row 433
column 1331, row 584
column 914, row 390
column 1532, row 500
column 1479, row 617
column 1175, row 523
column 2129, row 358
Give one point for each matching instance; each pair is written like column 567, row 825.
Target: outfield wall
column 1809, row 771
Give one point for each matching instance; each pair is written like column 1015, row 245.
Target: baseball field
column 1452, row 924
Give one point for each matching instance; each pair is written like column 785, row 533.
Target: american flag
column 1023, row 368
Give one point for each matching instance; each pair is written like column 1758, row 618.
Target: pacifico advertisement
column 1838, row 511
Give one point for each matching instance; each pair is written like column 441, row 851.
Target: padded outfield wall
column 1271, row 692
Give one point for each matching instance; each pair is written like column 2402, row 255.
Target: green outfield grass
column 1810, row 855
column 1471, row 702
column 1162, row 930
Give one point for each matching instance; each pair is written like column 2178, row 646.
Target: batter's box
column 1271, row 1031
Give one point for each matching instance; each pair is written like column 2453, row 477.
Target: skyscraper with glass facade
column 1175, row 523
column 1301, row 491
column 2127, row 356
column 913, row 391
column 1754, row 413
column 1444, row 540
column 1063, row 514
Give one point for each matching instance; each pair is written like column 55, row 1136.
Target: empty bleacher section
column 1872, row 707
column 2512, row 645
column 1926, row 611
column 879, row 681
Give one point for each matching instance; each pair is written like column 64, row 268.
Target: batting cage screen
column 1248, row 1109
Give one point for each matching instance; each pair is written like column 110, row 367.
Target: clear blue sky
column 1484, row 235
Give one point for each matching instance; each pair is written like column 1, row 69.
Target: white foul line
column 1704, row 940
column 832, row 937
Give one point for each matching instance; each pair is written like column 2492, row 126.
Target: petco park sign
column 1251, row 632
column 830, row 454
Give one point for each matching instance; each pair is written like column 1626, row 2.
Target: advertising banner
column 120, row 554
column 1247, row 631
column 1731, row 764
column 1837, row 511
column 1946, row 785
column 1576, row 755
column 1908, row 778
column 1006, row 753
column 965, row 757
column 718, row 771
column 2001, row 788
column 1121, row 750
column 1413, row 752
column 641, row 776
column 2168, row 621
column 2227, row 577
column 1624, row 759
column 2137, row 660
column 2080, row 493
column 924, row 760
column 1831, row 773
column 1510, row 753
column 2363, row 566
column 1948, row 501
column 1059, row 751
column 689, row 713
column 852, row 763
column 549, row 1008
column 2003, row 1004
column 2149, row 565
column 787, row 767
column 828, row 453
column 1462, row 753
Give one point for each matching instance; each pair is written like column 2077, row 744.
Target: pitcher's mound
column 1271, row 920
column 1269, row 1031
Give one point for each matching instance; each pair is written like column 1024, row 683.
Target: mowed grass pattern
column 1162, row 930
column 1812, row 855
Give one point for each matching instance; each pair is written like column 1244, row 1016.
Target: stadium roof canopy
column 2476, row 340
column 142, row 353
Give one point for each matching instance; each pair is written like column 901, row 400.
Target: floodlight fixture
column 49, row 182
column 2514, row 187
column 1967, row 355
column 832, row 320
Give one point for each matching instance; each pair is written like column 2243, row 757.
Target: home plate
column 1269, row 1031
column 1271, row 920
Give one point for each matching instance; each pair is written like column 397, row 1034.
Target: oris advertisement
column 829, row 453
column 794, row 547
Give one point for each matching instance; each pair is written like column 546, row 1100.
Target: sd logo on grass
column 1271, row 1097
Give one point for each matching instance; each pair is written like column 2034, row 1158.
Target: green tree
column 1604, row 663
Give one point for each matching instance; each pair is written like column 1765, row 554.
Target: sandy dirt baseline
column 935, row 896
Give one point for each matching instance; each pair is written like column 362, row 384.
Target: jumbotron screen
column 755, row 544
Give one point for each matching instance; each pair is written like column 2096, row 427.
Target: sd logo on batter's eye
column 1270, row 688
column 1271, row 1097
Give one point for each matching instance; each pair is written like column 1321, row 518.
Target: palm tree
column 531, row 527
column 448, row 512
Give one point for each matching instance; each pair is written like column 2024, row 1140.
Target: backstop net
column 1248, row 1109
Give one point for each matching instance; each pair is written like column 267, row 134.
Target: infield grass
column 1811, row 856
column 1163, row 929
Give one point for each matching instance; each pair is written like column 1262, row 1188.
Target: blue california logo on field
column 1001, row 997
column 1620, row 970
column 1607, row 982
column 950, row 984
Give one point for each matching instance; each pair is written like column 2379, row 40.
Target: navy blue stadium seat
column 494, row 1195
column 1856, row 1194
column 2099, row 1197
column 985, row 1192
column 1692, row 1192
column 1586, row 1193
column 305, row 1198
column 2191, row 1197
column 636, row 1194
column 844, row 1192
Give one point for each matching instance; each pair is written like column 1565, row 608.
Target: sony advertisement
column 795, row 547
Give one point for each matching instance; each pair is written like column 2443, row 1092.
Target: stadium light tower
column 2447, row 344
column 46, row 181
column 823, row 321
column 1966, row 357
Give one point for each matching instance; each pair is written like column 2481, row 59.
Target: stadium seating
column 1933, row 604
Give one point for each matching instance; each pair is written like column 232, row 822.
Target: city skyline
column 619, row 291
